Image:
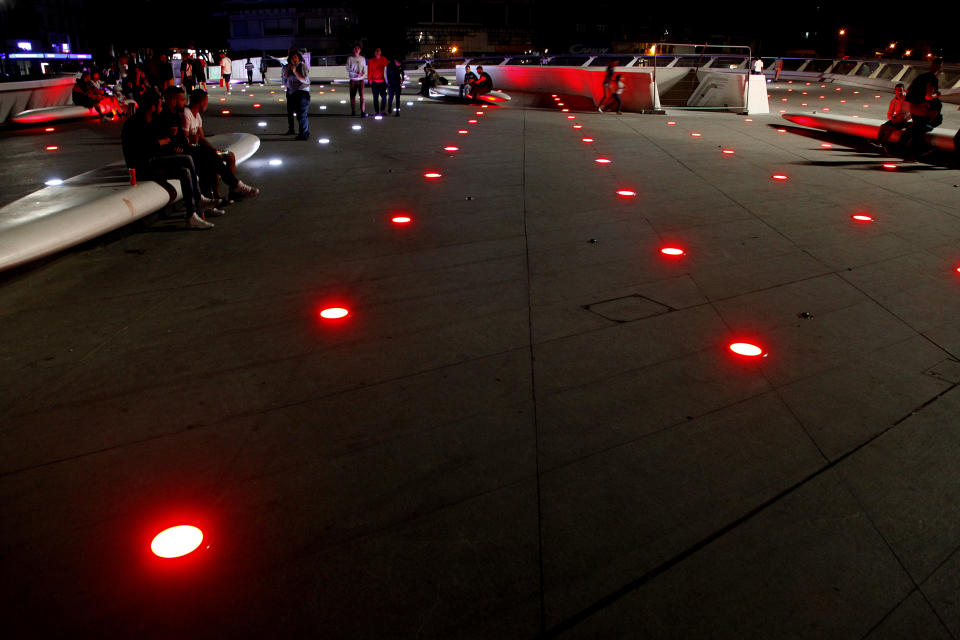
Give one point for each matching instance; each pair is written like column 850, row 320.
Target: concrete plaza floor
column 530, row 424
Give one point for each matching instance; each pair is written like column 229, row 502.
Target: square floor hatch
column 628, row 308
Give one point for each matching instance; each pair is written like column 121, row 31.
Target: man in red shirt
column 376, row 70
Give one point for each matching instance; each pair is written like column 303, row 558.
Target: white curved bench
column 89, row 205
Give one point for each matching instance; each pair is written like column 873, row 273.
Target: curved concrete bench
column 89, row 205
column 52, row 114
column 868, row 128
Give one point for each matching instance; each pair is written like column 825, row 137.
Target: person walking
column 296, row 79
column 376, row 71
column 616, row 92
column 249, row 69
column 607, row 80
column 357, row 71
column 226, row 69
column 395, row 76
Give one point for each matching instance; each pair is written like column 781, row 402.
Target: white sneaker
column 213, row 213
column 244, row 190
column 196, row 222
column 206, row 203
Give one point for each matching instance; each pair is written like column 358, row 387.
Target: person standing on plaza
column 226, row 69
column 757, row 67
column 376, row 71
column 249, row 69
column 779, row 70
column 200, row 72
column 186, row 72
column 296, row 79
column 357, row 71
column 395, row 76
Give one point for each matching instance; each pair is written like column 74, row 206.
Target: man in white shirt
column 758, row 67
column 296, row 78
column 357, row 70
column 226, row 68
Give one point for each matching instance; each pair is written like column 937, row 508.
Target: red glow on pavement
column 746, row 349
column 176, row 541
column 225, row 112
column 779, row 176
column 334, row 313
column 560, row 104
column 781, row 130
column 52, row 147
column 626, row 193
column 727, row 152
column 695, row 134
column 480, row 113
column 889, row 165
column 484, row 106
column 672, row 251
column 855, row 92
column 491, row 98
column 553, row 95
column 748, row 119
column 671, row 123
column 571, row 117
column 49, row 129
column 862, row 217
column 803, row 104
column 462, row 131
column 826, row 145
column 578, row 126
column 842, row 101
column 451, row 148
column 256, row 105
column 603, row 160
column 432, row 175
column 826, row 108
column 565, row 110
column 472, row 121
column 400, row 219
column 587, row 140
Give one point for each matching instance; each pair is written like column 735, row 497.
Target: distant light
column 877, row 97
column 378, row 117
column 560, row 104
column 565, row 110
column 356, row 127
column 462, row 131
column 826, row 145
column 779, row 176
column 670, row 123
column 53, row 182
column 553, row 95
column 803, row 104
column 695, row 134
column 409, row 104
column 324, row 140
column 49, row 129
column 52, row 147
column 781, row 130
column 334, row 313
column 256, row 105
column 400, row 219
column 571, row 117
column 223, row 99
column 432, row 175
column 626, row 193
column 275, row 162
column 587, row 140
column 176, row 541
column 603, row 160
column 748, row 119
column 261, row 124
column 746, row 349
column 887, row 165
column 672, row 251
column 471, row 122
column 419, row 99
column 343, row 102
column 225, row 112
column 862, row 217
column 855, row 92
column 578, row 126
column 826, row 108
column 480, row 113
column 728, row 152
column 451, row 148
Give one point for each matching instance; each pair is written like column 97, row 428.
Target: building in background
column 446, row 28
column 273, row 26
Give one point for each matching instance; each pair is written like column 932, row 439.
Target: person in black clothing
column 428, row 80
column 607, row 80
column 395, row 76
column 923, row 102
column 469, row 77
column 200, row 72
column 484, row 84
column 155, row 156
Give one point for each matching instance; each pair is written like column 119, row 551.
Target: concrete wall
column 33, row 94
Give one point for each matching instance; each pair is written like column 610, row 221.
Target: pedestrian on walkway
column 249, row 69
column 296, row 80
column 607, row 80
column 186, row 73
column 395, row 76
column 226, row 69
column 357, row 72
column 616, row 92
column 376, row 71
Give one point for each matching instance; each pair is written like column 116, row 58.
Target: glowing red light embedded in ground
column 571, row 117
column 578, row 126
column 334, row 313
column 670, row 123
column 462, row 131
column 451, row 148
column 225, row 112
column 728, row 152
column 433, row 175
column 400, row 219
column 471, row 122
column 49, row 129
column 746, row 349
column 781, row 130
column 565, row 110
column 862, row 217
column 695, row 134
column 889, row 165
column 176, row 541
column 826, row 145
column 748, row 119
column 671, row 251
column 52, row 147
column 626, row 193
column 479, row 113
column 778, row 176
column 256, row 105
column 587, row 140
column 560, row 104
column 603, row 160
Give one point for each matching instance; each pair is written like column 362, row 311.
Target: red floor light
column 571, row 117
column 587, row 140
column 779, row 176
column 862, row 217
column 886, row 165
column 334, row 313
column 626, row 193
column 560, row 104
column 672, row 251
column 451, row 148
column 748, row 119
column 578, row 126
column 52, row 147
column 432, row 175
column 462, row 131
column 781, row 130
column 671, row 123
column 826, row 145
column 400, row 219
column 603, row 160
column 746, row 349
column 49, row 129
column 695, row 134
column 176, row 541
column 225, row 112
column 480, row 113
column 727, row 152
column 471, row 121
column 256, row 105
column 565, row 110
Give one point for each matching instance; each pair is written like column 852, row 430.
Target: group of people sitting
column 474, row 84
column 165, row 140
column 89, row 92
column 915, row 111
